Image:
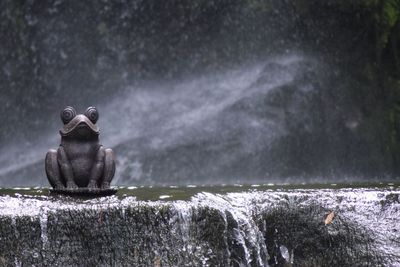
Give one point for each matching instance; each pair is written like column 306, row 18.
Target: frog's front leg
column 53, row 170
column 66, row 168
column 109, row 168
column 97, row 169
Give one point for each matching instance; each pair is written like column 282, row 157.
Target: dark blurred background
column 206, row 91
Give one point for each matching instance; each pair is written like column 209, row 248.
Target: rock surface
column 292, row 227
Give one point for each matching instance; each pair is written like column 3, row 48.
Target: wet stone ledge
column 293, row 227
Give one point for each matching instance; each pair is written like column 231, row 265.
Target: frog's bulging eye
column 68, row 114
column 92, row 114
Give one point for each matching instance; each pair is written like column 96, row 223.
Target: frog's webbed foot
column 53, row 170
column 71, row 185
column 109, row 168
column 105, row 185
column 92, row 184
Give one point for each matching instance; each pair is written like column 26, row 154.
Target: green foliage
column 386, row 19
column 391, row 11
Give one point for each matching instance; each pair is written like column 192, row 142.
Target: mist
column 193, row 93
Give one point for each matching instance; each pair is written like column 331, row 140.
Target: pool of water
column 170, row 193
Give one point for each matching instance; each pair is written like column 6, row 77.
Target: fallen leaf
column 157, row 262
column 329, row 218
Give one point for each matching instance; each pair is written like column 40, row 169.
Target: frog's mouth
column 79, row 121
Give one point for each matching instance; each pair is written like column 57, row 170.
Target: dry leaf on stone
column 329, row 218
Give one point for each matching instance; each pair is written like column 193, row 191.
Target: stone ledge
column 275, row 228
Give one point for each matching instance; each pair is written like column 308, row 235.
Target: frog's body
column 81, row 157
column 80, row 160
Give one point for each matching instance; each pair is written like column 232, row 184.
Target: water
column 186, row 192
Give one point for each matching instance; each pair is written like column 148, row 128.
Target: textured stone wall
column 263, row 228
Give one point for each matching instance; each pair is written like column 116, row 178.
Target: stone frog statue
column 80, row 161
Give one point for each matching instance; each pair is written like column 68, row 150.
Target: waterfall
column 249, row 228
column 218, row 118
column 199, row 92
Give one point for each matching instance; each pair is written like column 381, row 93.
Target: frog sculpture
column 80, row 165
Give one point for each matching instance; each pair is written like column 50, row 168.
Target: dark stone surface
column 257, row 228
column 85, row 191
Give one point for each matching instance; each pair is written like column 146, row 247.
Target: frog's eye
column 67, row 114
column 92, row 114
